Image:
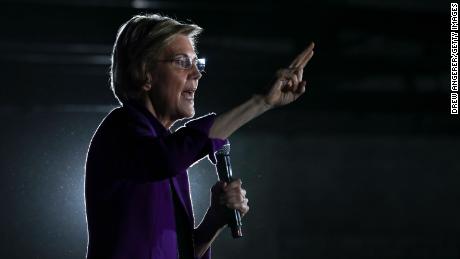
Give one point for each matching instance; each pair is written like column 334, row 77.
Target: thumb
column 218, row 186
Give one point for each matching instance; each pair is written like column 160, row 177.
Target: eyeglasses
column 183, row 61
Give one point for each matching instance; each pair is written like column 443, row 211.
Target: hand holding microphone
column 232, row 196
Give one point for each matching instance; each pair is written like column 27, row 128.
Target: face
column 173, row 89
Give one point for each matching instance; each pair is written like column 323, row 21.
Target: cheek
column 177, row 85
column 172, row 85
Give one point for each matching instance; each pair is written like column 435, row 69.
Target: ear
column 148, row 85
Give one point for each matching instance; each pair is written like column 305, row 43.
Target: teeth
column 189, row 95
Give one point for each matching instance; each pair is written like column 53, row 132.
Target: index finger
column 236, row 183
column 297, row 62
column 307, row 58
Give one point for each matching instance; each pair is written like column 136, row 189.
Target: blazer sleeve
column 150, row 157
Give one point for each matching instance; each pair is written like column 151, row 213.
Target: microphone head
column 224, row 150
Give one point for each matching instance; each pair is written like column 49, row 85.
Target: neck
column 164, row 120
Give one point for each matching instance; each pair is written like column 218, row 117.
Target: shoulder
column 114, row 119
column 110, row 125
column 120, row 125
column 126, row 120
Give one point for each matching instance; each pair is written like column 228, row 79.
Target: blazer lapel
column 181, row 187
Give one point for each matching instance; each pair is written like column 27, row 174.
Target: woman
column 136, row 186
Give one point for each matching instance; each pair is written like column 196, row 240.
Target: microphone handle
column 224, row 170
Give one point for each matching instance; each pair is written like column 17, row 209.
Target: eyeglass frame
column 200, row 63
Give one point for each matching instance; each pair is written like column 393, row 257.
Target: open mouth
column 189, row 94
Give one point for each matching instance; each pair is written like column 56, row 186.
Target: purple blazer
column 136, row 185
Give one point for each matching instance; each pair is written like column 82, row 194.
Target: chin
column 188, row 114
column 191, row 114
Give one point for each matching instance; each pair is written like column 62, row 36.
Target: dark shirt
column 137, row 188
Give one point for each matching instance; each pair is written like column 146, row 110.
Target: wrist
column 216, row 216
column 262, row 102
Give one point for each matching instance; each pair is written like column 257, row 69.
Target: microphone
column 224, row 171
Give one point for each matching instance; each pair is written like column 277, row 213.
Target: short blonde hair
column 139, row 42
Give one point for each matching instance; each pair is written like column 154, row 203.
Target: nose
column 195, row 73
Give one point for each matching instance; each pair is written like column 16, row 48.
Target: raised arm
column 286, row 88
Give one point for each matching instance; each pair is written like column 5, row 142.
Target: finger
column 302, row 65
column 305, row 61
column 282, row 80
column 298, row 60
column 301, row 56
column 245, row 201
column 299, row 91
column 289, row 78
column 299, row 74
column 296, row 82
column 236, row 204
column 294, row 79
column 231, row 202
column 235, row 191
column 244, row 210
column 234, row 198
column 234, row 195
column 301, row 88
column 235, row 184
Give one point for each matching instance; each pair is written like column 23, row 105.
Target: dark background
column 364, row 165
